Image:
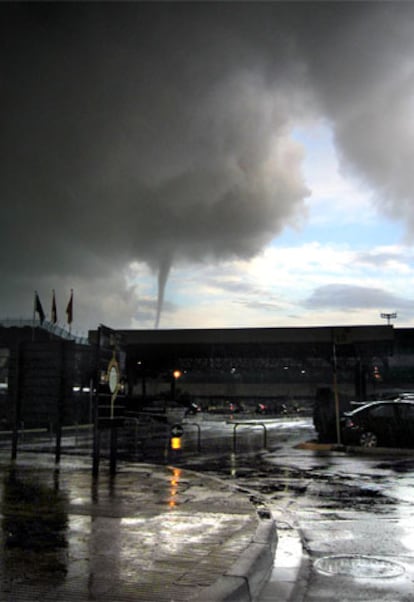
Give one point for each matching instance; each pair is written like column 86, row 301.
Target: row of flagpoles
column 38, row 309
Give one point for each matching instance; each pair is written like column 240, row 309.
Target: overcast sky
column 208, row 164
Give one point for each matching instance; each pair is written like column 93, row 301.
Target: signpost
column 336, row 394
column 108, row 386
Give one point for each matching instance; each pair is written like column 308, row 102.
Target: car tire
column 368, row 439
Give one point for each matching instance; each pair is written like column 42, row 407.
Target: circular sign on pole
column 113, row 375
column 177, row 430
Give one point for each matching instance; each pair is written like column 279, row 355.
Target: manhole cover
column 358, row 566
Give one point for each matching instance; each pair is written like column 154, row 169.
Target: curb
column 390, row 451
column 246, row 578
column 355, row 449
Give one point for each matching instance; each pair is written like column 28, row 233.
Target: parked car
column 401, row 397
column 408, row 395
column 381, row 423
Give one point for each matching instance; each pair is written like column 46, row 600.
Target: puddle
column 402, row 467
column 358, row 566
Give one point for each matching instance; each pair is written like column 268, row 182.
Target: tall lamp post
column 175, row 376
column 389, row 317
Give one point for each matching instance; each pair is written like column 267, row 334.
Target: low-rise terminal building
column 214, row 367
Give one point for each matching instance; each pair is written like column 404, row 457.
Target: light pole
column 175, row 376
column 389, row 317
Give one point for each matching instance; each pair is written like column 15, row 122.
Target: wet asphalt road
column 354, row 513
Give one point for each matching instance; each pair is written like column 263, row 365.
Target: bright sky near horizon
column 195, row 165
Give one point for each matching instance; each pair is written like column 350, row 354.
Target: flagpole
column 34, row 316
column 69, row 311
column 54, row 316
column 39, row 309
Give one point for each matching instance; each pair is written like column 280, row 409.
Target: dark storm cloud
column 138, row 132
column 350, row 298
column 129, row 134
column 363, row 76
column 157, row 132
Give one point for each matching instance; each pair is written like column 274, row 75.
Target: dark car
column 381, row 423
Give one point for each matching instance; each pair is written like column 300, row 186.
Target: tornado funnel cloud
column 201, row 157
column 163, row 271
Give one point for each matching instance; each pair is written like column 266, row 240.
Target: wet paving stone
column 152, row 533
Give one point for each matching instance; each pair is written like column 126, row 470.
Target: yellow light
column 177, row 374
column 175, row 442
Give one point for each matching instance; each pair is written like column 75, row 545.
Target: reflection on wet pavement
column 340, row 504
column 147, row 534
column 34, row 530
column 336, row 485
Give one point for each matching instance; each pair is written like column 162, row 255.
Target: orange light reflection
column 174, row 482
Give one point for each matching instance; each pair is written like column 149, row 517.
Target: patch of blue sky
column 183, row 286
column 340, row 209
column 356, row 235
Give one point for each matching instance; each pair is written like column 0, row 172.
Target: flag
column 69, row 309
column 54, row 309
column 39, row 308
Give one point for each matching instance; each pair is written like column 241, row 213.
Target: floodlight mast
column 389, row 317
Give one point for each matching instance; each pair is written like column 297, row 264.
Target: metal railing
column 245, row 423
column 55, row 329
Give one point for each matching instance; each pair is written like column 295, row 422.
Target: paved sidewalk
column 151, row 533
